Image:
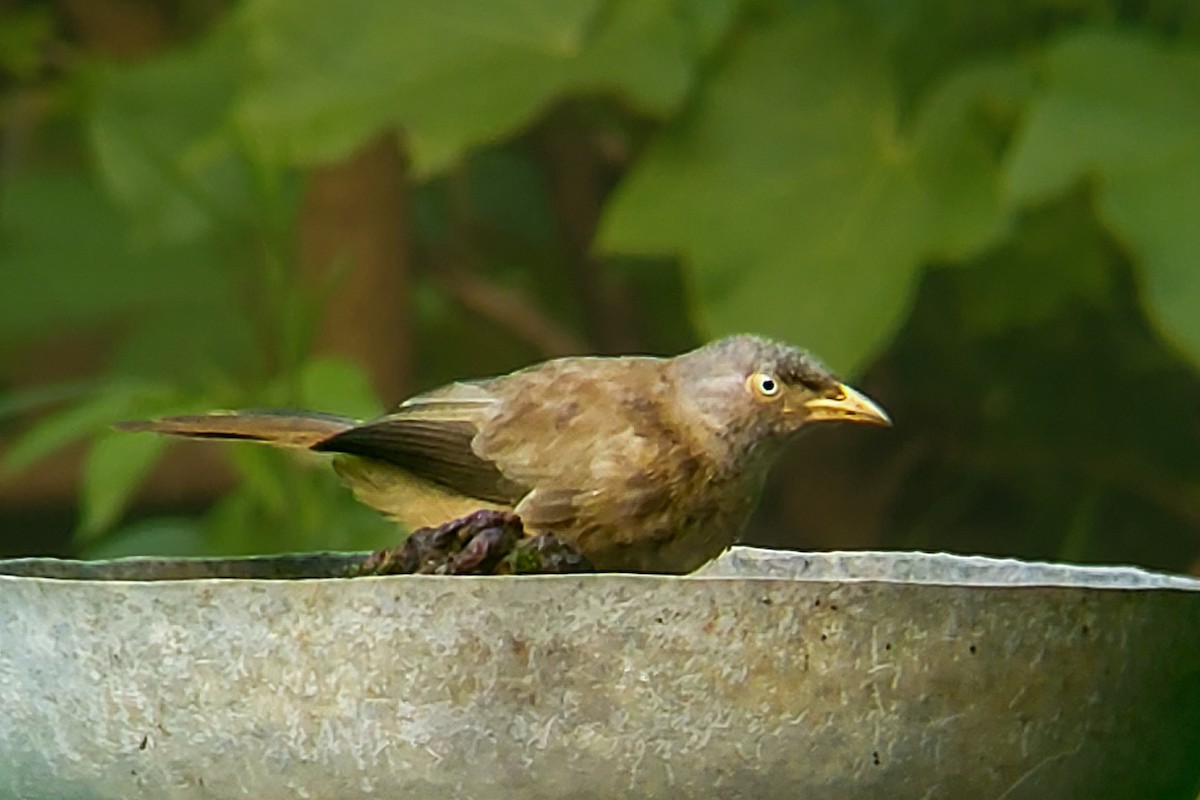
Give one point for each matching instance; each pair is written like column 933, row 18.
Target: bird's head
column 750, row 390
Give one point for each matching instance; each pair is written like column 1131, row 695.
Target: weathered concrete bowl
column 767, row 675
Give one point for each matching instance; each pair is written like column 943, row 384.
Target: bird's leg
column 482, row 543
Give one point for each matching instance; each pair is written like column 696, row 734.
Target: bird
column 644, row 463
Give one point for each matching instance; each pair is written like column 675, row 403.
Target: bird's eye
column 763, row 385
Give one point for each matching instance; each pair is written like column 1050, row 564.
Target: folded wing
column 430, row 437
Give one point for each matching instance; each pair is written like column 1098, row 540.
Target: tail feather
column 279, row 428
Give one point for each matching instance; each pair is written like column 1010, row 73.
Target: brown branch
column 124, row 29
column 449, row 269
column 509, row 309
column 356, row 212
column 580, row 177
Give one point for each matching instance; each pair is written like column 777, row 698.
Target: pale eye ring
column 764, row 385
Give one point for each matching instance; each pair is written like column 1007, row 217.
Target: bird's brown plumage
column 646, row 464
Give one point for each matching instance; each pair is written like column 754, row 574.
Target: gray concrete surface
column 766, row 675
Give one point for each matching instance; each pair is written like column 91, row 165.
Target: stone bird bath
column 765, row 675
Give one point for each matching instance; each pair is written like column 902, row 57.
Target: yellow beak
column 848, row 405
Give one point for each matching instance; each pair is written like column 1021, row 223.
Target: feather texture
column 435, row 450
column 646, row 464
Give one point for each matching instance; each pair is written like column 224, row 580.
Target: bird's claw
column 485, row 542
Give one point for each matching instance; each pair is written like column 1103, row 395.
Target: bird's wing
column 587, row 435
column 577, row 441
column 430, row 436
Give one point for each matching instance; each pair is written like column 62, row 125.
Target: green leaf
column 67, row 259
column 160, row 130
column 263, row 472
column 26, row 399
column 1155, row 210
column 509, row 192
column 111, row 403
column 338, row 385
column 1125, row 111
column 235, row 526
column 1059, row 255
column 456, row 74
column 956, row 142
column 1112, row 103
column 164, row 537
column 115, row 467
column 792, row 171
column 24, row 36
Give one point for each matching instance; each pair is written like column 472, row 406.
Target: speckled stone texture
column 766, row 675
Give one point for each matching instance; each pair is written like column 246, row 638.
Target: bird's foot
column 482, row 543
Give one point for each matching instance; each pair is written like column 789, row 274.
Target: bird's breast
column 669, row 520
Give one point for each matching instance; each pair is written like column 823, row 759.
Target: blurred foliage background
column 986, row 214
